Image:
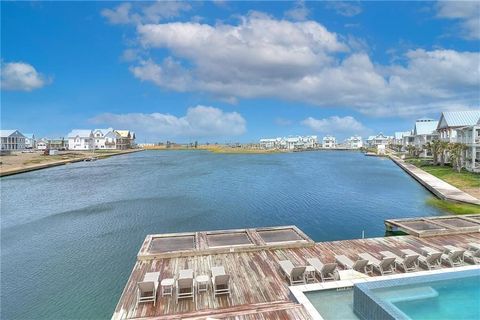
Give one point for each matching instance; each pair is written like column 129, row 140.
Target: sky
column 227, row 71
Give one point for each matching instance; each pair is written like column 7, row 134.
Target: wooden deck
column 434, row 226
column 258, row 289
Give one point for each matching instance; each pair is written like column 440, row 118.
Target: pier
column 251, row 258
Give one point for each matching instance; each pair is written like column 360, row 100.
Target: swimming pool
column 439, row 294
column 450, row 295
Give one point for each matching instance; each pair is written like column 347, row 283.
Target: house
column 354, row 142
column 470, row 136
column 329, row 142
column 12, row 140
column 58, row 144
column 408, row 140
column 290, row 143
column 451, row 121
column 105, row 138
column 268, row 143
column 424, row 132
column 42, row 144
column 379, row 139
column 125, row 139
column 30, row 142
column 79, row 139
column 399, row 137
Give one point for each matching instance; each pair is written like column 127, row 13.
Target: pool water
column 333, row 304
column 455, row 299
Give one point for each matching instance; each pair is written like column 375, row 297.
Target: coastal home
column 329, row 142
column 408, row 140
column 58, row 144
column 399, row 137
column 424, row 132
column 354, row 142
column 30, row 142
column 290, row 143
column 105, row 138
column 125, row 139
column 268, row 143
column 379, row 139
column 12, row 140
column 80, row 139
column 451, row 121
column 42, row 144
column 470, row 136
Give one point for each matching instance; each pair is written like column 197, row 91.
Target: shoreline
column 440, row 188
column 40, row 166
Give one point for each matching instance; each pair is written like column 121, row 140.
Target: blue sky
column 236, row 71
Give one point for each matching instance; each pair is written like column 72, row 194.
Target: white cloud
column 347, row 9
column 466, row 12
column 21, row 76
column 200, row 121
column 337, row 125
column 299, row 12
column 126, row 13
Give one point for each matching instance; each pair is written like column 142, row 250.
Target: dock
column 259, row 291
column 438, row 187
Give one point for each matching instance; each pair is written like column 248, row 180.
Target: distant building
column 30, row 142
column 79, row 139
column 329, row 142
column 408, row 140
column 12, row 140
column 42, row 144
column 424, row 132
column 354, row 142
column 379, row 139
column 290, row 143
column 470, row 136
column 105, row 138
column 451, row 121
column 125, row 139
column 58, row 144
column 399, row 137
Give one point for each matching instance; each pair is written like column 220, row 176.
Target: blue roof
column 426, row 127
column 459, row 118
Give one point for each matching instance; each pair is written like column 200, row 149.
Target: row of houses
column 78, row 139
column 310, row 142
column 456, row 126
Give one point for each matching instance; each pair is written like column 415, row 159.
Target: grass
column 454, row 207
column 461, row 180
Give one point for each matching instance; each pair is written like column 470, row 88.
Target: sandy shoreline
column 25, row 162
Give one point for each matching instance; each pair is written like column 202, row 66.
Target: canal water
column 70, row 234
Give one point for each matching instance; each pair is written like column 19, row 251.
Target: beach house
column 379, row 139
column 12, row 140
column 81, row 139
column 424, row 131
column 329, row 142
column 354, row 142
column 30, row 142
column 269, row 143
column 125, row 139
column 106, row 138
column 58, row 144
column 42, row 144
column 451, row 121
column 470, row 136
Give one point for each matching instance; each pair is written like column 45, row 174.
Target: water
column 457, row 299
column 333, row 304
column 70, row 234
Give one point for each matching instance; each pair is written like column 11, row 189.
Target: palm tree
column 456, row 155
column 434, row 147
column 411, row 150
column 443, row 148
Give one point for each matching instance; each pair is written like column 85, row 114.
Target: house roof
column 8, row 133
column 80, row 132
column 329, row 137
column 400, row 135
column 104, row 131
column 427, row 127
column 458, row 119
column 123, row 133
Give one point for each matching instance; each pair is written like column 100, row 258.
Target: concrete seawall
column 13, row 171
column 438, row 187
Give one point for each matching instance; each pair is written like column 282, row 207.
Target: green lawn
column 461, row 180
column 453, row 207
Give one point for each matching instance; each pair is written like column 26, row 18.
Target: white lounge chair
column 453, row 256
column 471, row 257
column 220, row 281
column 409, row 262
column 474, row 247
column 361, row 265
column 325, row 271
column 431, row 261
column 147, row 289
column 185, row 287
column 295, row 275
column 385, row 266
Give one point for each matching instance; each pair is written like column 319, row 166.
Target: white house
column 470, row 136
column 451, row 121
column 12, row 140
column 408, row 139
column 79, row 139
column 379, row 139
column 42, row 144
column 30, row 142
column 269, row 143
column 290, row 143
column 424, row 132
column 399, row 137
column 105, row 138
column 329, row 142
column 354, row 142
